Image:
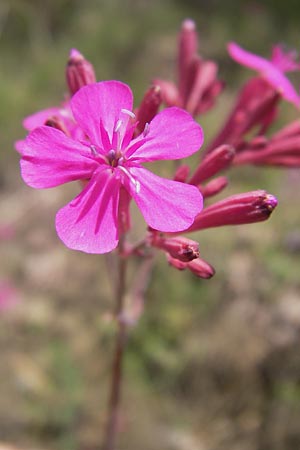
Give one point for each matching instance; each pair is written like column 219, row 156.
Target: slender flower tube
column 148, row 108
column 217, row 160
column 182, row 173
column 250, row 207
column 110, row 159
column 213, row 187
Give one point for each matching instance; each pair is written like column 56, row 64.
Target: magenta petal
column 172, row 134
column 89, row 222
column 282, row 84
column 50, row 158
column 19, row 145
column 39, row 118
column 166, row 205
column 248, row 59
column 284, row 60
column 100, row 103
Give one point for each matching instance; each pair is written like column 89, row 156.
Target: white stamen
column 118, row 126
column 146, row 129
column 129, row 113
column 133, row 181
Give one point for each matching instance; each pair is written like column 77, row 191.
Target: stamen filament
column 135, row 182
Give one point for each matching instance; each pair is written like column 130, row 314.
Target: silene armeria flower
column 273, row 70
column 109, row 158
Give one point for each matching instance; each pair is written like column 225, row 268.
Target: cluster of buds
column 243, row 139
column 198, row 85
column 254, row 111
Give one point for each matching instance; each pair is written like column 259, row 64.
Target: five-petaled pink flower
column 272, row 70
column 110, row 159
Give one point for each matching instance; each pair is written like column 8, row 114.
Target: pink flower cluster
column 98, row 138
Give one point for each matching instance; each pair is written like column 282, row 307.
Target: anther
column 118, row 126
column 146, row 129
column 129, row 113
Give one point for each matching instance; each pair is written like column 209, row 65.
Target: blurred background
column 212, row 365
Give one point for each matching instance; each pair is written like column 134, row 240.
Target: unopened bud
column 79, row 72
column 213, row 187
column 201, row 268
column 179, row 247
column 179, row 265
column 254, row 206
column 217, row 160
column 182, row 173
column 149, row 107
column 198, row 267
column 187, row 49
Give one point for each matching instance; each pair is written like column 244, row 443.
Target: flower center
column 115, row 156
column 116, row 160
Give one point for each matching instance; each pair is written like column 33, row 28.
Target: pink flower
column 111, row 160
column 272, row 71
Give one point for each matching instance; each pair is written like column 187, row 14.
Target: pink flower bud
column 187, row 49
column 198, row 267
column 250, row 207
column 219, row 159
column 148, row 108
column 201, row 268
column 179, row 265
column 182, row 173
column 179, row 247
column 79, row 72
column 213, row 187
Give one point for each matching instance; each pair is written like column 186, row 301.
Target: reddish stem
column 117, row 364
